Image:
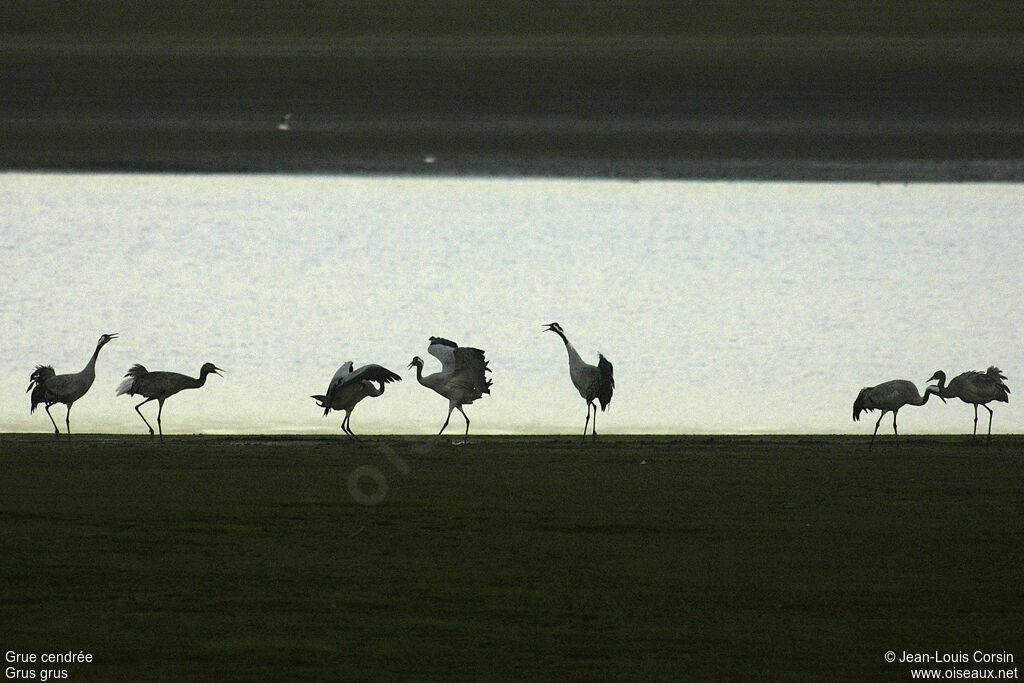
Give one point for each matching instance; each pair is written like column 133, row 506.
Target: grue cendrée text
column 348, row 387
column 48, row 387
column 462, row 378
column 890, row 397
column 594, row 382
column 977, row 388
column 159, row 386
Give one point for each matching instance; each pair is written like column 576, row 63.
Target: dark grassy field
column 815, row 89
column 249, row 558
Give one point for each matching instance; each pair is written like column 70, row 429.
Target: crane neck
column 373, row 391
column 419, row 374
column 90, row 367
column 574, row 356
column 941, row 389
column 928, row 391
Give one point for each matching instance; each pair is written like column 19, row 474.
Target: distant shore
column 940, row 108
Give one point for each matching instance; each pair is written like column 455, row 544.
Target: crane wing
column 464, row 367
column 995, row 377
column 372, row 373
column 344, row 371
column 606, row 383
column 345, row 377
column 471, row 360
column 443, row 350
column 974, row 386
column 470, row 366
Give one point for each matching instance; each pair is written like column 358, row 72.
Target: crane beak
column 112, row 336
column 219, row 370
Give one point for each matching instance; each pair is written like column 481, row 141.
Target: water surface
column 725, row 307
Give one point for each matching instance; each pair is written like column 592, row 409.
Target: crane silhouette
column 978, row 388
column 890, row 397
column 462, row 379
column 159, row 386
column 48, row 387
column 594, row 382
column 348, row 387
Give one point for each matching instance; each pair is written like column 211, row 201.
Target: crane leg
column 55, row 430
column 348, row 427
column 975, row 435
column 875, row 433
column 450, row 409
column 467, row 421
column 894, row 430
column 989, row 423
column 143, row 416
column 67, row 419
column 587, row 423
column 159, row 424
column 593, row 426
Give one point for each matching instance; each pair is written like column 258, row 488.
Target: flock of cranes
column 463, row 380
column 977, row 388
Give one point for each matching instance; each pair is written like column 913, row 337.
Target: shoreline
column 838, row 438
column 904, row 171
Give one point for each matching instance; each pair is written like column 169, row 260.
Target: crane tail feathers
column 607, row 381
column 38, row 396
column 37, row 385
column 40, row 375
column 860, row 405
column 136, row 370
column 125, row 387
column 323, row 403
column 999, row 378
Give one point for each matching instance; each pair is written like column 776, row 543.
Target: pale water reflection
column 725, row 307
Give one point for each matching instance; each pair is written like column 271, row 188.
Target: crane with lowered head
column 348, row 387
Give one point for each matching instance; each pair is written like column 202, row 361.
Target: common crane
column 890, row 397
column 978, row 388
column 594, row 382
column 462, row 379
column 48, row 387
column 348, row 387
column 159, row 386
